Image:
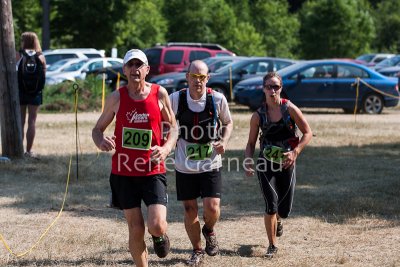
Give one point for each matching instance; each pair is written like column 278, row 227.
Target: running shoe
column 161, row 245
column 212, row 248
column 271, row 251
column 279, row 228
column 196, row 259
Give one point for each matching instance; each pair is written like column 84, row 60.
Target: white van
column 55, row 55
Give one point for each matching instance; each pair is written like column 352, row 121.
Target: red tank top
column 137, row 129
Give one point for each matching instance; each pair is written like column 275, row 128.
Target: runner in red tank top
column 138, row 171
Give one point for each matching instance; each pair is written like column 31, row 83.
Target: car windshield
column 75, row 66
column 58, row 64
column 291, row 68
column 233, row 66
column 366, row 58
column 389, row 61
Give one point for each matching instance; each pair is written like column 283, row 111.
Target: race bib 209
column 133, row 138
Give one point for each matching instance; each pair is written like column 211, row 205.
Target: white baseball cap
column 135, row 53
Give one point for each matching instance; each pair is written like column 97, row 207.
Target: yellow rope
column 377, row 90
column 357, row 92
column 118, row 78
column 48, row 228
column 18, row 255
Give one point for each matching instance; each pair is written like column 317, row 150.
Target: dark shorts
column 194, row 185
column 31, row 100
column 127, row 192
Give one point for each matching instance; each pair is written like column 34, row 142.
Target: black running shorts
column 127, row 192
column 194, row 185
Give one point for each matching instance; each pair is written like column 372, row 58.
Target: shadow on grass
column 333, row 183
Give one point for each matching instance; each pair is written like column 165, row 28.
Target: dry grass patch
column 345, row 213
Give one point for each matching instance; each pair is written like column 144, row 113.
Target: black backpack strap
column 289, row 122
column 182, row 103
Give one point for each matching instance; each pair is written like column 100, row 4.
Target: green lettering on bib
column 136, row 138
column 198, row 151
column 274, row 153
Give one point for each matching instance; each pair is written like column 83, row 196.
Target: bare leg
column 192, row 224
column 157, row 220
column 23, row 116
column 270, row 227
column 136, row 227
column 30, row 133
column 211, row 211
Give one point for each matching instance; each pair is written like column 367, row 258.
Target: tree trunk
column 46, row 24
column 10, row 118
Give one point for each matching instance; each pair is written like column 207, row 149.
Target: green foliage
column 61, row 97
column 388, row 26
column 88, row 23
column 27, row 15
column 313, row 29
column 246, row 40
column 143, row 26
column 336, row 28
column 279, row 28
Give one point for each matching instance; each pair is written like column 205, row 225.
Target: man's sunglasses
column 137, row 65
column 274, row 87
column 201, row 77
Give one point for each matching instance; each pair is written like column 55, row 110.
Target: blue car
column 326, row 84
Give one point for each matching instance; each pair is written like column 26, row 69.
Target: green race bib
column 274, row 154
column 133, row 138
column 198, row 151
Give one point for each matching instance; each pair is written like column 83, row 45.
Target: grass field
column 346, row 210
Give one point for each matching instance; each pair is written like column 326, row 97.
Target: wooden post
column 10, row 118
column 45, row 24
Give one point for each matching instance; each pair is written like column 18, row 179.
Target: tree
column 143, row 26
column 335, row 28
column 10, row 118
column 88, row 23
column 279, row 28
column 388, row 26
column 26, row 17
column 247, row 41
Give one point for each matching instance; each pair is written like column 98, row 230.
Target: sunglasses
column 274, row 87
column 137, row 65
column 201, row 77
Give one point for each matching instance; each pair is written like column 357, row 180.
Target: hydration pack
column 292, row 140
column 195, row 127
column 31, row 76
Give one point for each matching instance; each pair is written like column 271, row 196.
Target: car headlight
column 166, row 81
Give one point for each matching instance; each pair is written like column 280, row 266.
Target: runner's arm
column 169, row 117
column 303, row 125
column 105, row 143
column 251, row 144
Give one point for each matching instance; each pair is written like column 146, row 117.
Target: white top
column 184, row 165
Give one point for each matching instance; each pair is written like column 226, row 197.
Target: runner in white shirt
column 205, row 126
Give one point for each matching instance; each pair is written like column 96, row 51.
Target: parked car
column 390, row 71
column 253, row 66
column 55, row 55
column 327, row 84
column 61, row 65
column 78, row 70
column 173, row 57
column 175, row 81
column 373, row 59
column 389, row 62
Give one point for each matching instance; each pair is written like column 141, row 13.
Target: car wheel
column 372, row 104
column 222, row 91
